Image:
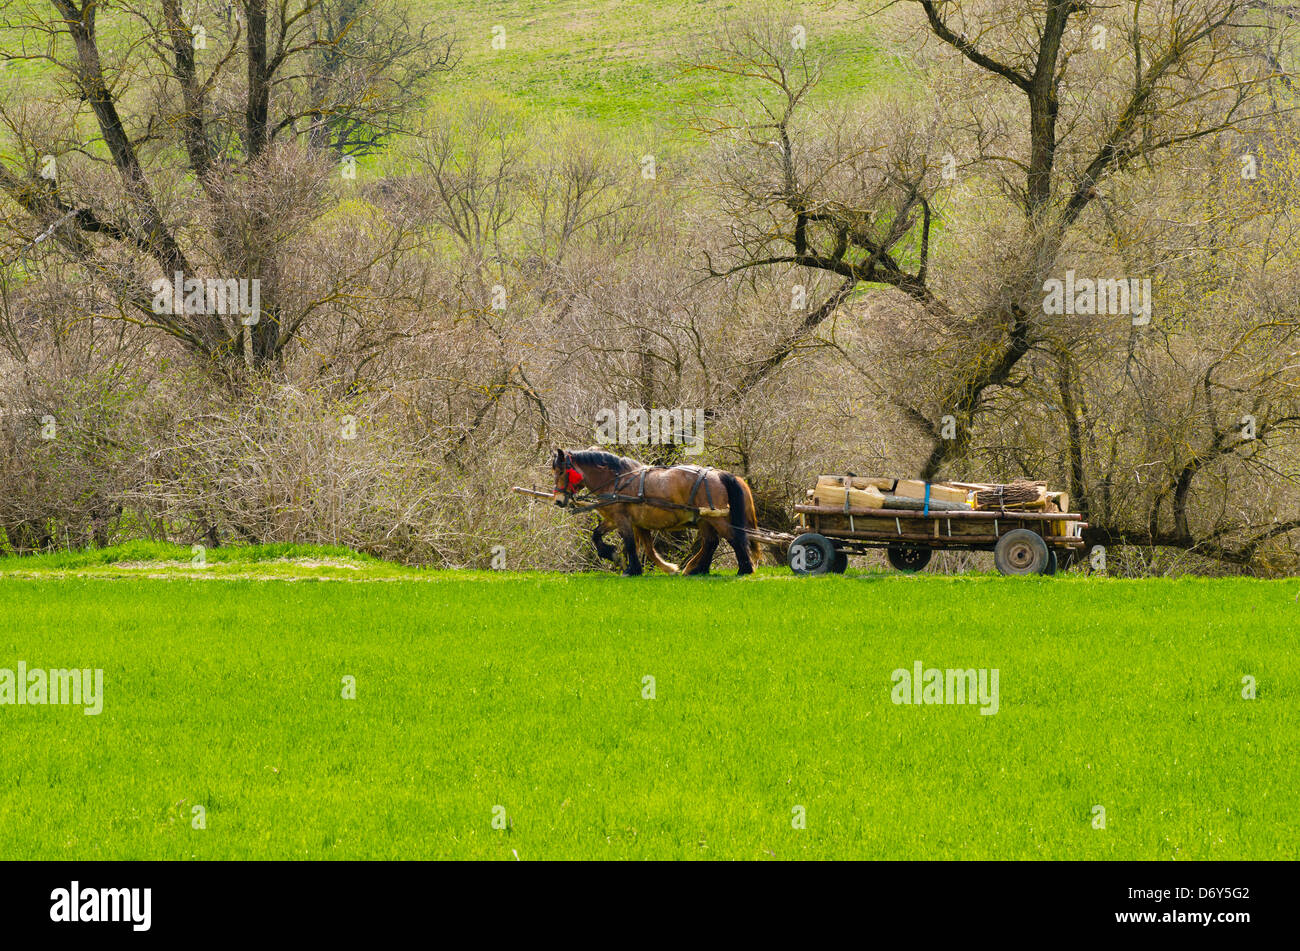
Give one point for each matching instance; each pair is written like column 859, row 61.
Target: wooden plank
column 943, row 542
column 916, row 489
column 833, row 496
column 957, row 541
column 856, row 482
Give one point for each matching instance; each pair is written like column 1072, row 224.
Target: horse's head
column 568, row 477
column 594, row 469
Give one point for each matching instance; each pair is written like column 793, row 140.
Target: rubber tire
column 818, row 554
column 840, row 563
column 908, row 559
column 1022, row 552
column 1052, row 563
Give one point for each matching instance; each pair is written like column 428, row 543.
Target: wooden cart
column 1022, row 542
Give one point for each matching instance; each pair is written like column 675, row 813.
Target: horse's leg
column 739, row 541
column 627, row 532
column 647, row 543
column 740, row 545
column 755, row 551
column 692, row 564
column 629, row 549
column 702, row 560
column 603, row 548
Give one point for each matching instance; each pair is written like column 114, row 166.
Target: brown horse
column 661, row 499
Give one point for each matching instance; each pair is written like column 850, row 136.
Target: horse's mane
column 604, row 460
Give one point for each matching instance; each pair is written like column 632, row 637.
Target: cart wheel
column 1052, row 562
column 840, row 562
column 1022, row 552
column 908, row 559
column 811, row 554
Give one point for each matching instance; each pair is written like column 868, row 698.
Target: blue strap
column 926, row 511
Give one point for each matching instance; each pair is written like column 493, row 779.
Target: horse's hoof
column 631, row 574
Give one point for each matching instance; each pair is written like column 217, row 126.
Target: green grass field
column 479, row 690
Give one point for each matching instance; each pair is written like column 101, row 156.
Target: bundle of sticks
column 1010, row 496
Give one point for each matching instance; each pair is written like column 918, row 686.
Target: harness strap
column 700, row 476
column 616, row 486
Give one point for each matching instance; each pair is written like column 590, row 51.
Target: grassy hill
column 626, row 63
column 623, row 68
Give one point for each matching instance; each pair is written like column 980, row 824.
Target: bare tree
column 243, row 98
column 953, row 206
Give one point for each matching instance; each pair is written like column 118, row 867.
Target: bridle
column 573, row 478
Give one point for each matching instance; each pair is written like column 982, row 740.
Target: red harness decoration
column 574, row 477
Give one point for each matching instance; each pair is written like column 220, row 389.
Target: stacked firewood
column 1011, row 496
column 1015, row 495
column 860, row 492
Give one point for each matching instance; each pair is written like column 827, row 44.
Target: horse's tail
column 741, row 504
